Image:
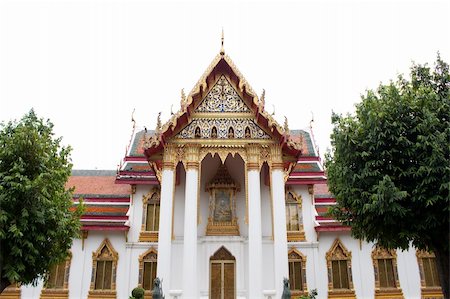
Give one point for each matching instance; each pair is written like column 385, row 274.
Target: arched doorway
column 222, row 273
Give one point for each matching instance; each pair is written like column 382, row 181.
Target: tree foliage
column 389, row 169
column 36, row 223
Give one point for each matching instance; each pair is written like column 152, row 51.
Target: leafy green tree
column 36, row 223
column 389, row 167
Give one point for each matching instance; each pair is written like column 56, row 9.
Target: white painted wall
column 314, row 249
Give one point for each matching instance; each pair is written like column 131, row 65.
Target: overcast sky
column 87, row 64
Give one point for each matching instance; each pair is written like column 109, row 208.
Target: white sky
column 87, row 64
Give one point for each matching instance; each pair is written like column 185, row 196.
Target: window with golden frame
column 294, row 218
column 57, row 283
column 340, row 283
column 104, row 267
column 429, row 277
column 147, row 269
column 297, row 272
column 385, row 271
column 150, row 216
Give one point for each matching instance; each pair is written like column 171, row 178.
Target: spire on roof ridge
column 222, row 50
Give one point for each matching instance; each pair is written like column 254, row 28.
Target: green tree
column 389, row 167
column 36, row 223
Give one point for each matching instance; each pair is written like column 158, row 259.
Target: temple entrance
column 222, row 275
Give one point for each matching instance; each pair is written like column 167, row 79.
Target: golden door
column 222, row 275
column 222, row 280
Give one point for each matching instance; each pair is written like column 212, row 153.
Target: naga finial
column 158, row 123
column 222, row 50
column 183, row 99
column 286, row 126
column 262, row 100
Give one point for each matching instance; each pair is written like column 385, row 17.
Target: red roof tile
column 96, row 185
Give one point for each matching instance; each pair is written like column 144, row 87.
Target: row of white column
column 255, row 261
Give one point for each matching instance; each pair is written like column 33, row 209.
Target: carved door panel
column 216, row 280
column 222, row 280
column 228, row 280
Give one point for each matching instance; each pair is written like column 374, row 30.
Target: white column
column 165, row 220
column 280, row 249
column 190, row 225
column 254, row 225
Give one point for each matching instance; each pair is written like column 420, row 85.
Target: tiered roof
column 106, row 203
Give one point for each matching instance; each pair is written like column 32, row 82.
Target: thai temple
column 221, row 201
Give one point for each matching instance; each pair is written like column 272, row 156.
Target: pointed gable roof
column 221, row 66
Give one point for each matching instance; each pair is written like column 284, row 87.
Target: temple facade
column 223, row 202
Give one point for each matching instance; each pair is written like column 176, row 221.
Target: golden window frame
column 63, row 292
column 339, row 252
column 114, row 257
column 381, row 292
column 142, row 259
column 293, row 256
column 145, row 235
column 295, row 235
column 427, row 292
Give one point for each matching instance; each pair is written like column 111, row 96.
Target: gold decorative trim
column 248, row 115
column 144, row 235
column 227, row 226
column 295, row 255
column 339, row 252
column 11, row 292
column 344, row 294
column 383, row 292
column 102, row 294
column 297, row 235
column 54, row 294
column 110, row 255
column 389, row 293
column 293, row 236
column 153, row 257
column 59, row 293
column 428, row 292
column 148, row 236
column 221, row 142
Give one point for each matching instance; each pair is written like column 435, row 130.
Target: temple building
column 221, row 201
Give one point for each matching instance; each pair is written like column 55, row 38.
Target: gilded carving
column 222, row 98
column 253, row 156
column 276, row 157
column 191, row 155
column 338, row 252
column 219, row 128
column 222, row 218
column 380, row 253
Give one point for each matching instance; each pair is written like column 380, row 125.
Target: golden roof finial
column 222, row 50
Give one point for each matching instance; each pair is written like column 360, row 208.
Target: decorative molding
column 294, row 256
column 59, row 293
column 151, row 255
column 152, row 197
column 379, row 253
column 291, row 197
column 428, row 292
column 11, row 292
column 191, row 156
column 222, row 218
column 222, row 97
column 339, row 252
column 222, row 128
column 105, row 252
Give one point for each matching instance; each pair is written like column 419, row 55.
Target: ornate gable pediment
column 222, row 114
column 222, row 98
